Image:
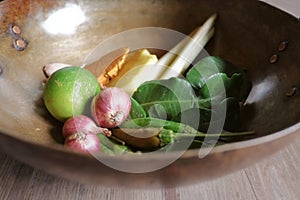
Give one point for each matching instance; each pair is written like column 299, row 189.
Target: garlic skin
column 111, row 107
column 49, row 69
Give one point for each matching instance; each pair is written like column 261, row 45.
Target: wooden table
column 276, row 178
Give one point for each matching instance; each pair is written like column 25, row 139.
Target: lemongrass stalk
column 170, row 56
column 187, row 50
column 183, row 61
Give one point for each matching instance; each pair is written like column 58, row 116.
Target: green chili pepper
column 112, row 147
column 106, row 150
column 166, row 136
column 176, row 127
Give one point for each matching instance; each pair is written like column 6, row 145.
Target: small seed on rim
column 283, row 45
column 291, row 92
column 20, row 44
column 274, row 58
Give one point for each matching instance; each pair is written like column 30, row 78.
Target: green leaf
column 165, row 99
column 195, row 117
column 221, row 84
column 207, row 67
column 201, row 118
column 204, row 103
column 232, row 121
column 213, row 76
column 136, row 111
column 245, row 87
column 176, row 127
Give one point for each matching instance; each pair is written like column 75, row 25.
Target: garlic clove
column 49, row 69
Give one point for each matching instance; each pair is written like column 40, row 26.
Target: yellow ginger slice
column 107, row 67
column 135, row 70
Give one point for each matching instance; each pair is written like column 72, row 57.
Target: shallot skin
column 111, row 107
column 78, row 123
column 84, row 124
column 83, row 142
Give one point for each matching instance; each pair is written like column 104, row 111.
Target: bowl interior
column 247, row 34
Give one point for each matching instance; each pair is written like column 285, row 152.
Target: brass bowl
column 248, row 33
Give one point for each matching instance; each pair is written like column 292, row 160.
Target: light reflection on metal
column 65, row 20
column 262, row 90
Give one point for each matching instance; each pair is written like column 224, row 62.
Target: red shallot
column 82, row 123
column 111, row 107
column 83, row 142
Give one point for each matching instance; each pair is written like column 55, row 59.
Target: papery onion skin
column 82, row 123
column 111, row 107
column 83, row 142
column 49, row 69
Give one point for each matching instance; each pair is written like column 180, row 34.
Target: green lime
column 68, row 92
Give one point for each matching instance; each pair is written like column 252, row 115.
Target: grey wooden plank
column 20, row 181
column 232, row 187
column 137, row 194
column 44, row 186
column 13, row 176
column 172, row 194
column 20, row 184
column 278, row 177
column 57, row 188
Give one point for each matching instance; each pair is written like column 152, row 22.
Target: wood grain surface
column 275, row 178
